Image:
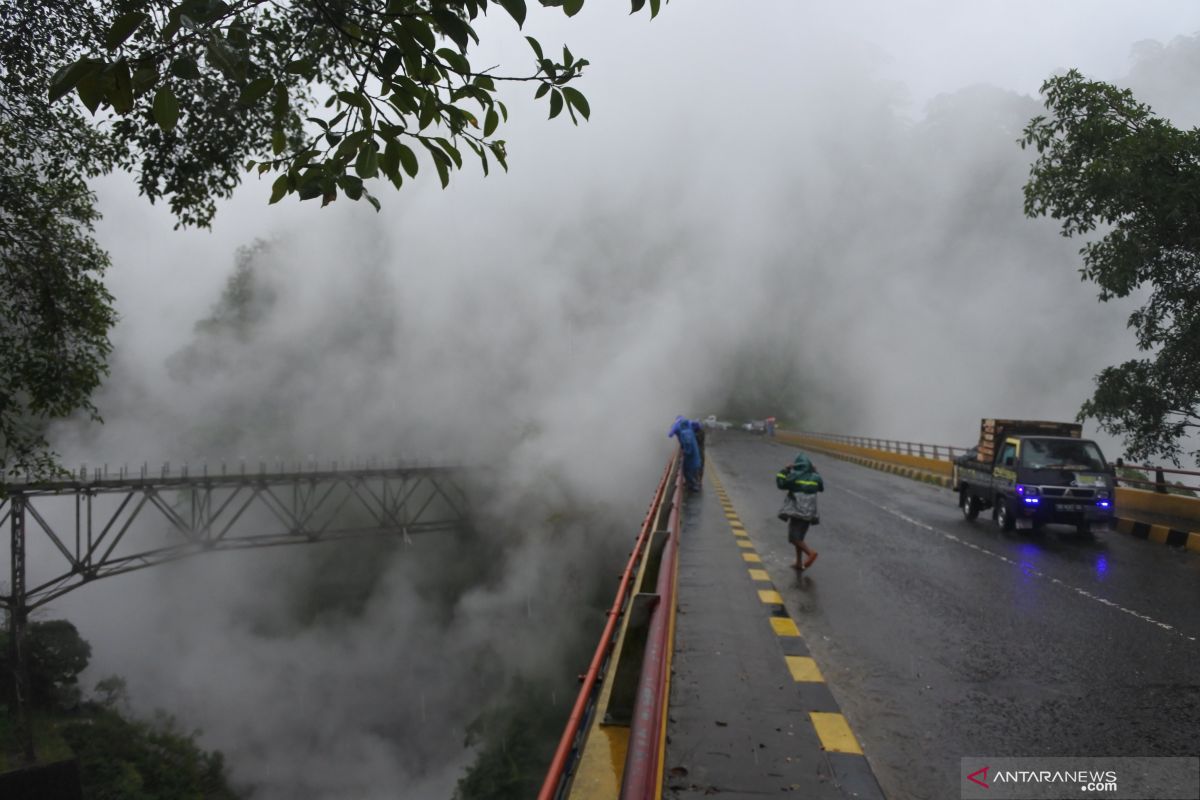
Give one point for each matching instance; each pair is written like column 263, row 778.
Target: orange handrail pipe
column 558, row 766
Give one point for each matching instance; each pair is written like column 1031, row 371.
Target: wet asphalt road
column 942, row 638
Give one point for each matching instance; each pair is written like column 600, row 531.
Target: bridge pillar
column 18, row 617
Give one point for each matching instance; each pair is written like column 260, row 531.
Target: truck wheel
column 1003, row 515
column 969, row 504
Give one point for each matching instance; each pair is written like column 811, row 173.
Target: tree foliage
column 122, row 759
column 201, row 87
column 1108, row 165
column 54, row 311
column 57, row 654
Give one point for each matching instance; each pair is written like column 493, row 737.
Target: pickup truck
column 711, row 421
column 1032, row 473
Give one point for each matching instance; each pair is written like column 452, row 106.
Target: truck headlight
column 1027, row 491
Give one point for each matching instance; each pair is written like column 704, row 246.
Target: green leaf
column 123, row 28
column 575, row 98
column 68, row 77
column 300, row 66
column 391, row 62
column 165, row 108
column 443, row 170
column 185, row 67
column 279, row 188
column 541, row 91
column 515, row 9
column 143, row 79
column 490, row 122
column 556, row 103
column 572, row 7
column 255, row 90
column 367, row 163
column 352, row 186
column 638, row 5
column 451, row 151
column 655, row 5
column 121, row 93
column 408, row 159
column 278, row 141
column 90, row 90
column 453, row 27
column 537, row 48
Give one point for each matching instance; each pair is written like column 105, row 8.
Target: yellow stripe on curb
column 759, row 575
column 834, row 733
column 1158, row 534
column 784, row 626
column 804, row 669
column 740, row 532
column 752, row 558
column 746, row 543
column 1193, row 542
column 770, row 596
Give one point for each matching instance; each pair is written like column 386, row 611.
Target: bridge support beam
column 18, row 618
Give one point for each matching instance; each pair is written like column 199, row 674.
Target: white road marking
column 1025, row 568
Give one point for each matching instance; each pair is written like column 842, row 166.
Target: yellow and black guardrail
column 1170, row 519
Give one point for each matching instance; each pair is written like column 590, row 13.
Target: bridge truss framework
column 201, row 513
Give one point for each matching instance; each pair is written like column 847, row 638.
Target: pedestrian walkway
column 749, row 710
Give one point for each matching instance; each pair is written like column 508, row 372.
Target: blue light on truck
column 1031, row 501
column 1102, row 503
column 1027, row 491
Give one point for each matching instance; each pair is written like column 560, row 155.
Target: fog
column 820, row 199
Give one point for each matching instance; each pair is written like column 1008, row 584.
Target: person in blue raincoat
column 689, row 449
column 801, row 481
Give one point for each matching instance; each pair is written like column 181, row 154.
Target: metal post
column 17, row 619
column 1160, row 481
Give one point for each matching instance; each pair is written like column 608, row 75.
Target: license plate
column 1070, row 507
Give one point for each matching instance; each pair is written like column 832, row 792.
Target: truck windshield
column 1061, row 454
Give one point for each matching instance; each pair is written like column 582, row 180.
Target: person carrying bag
column 801, row 481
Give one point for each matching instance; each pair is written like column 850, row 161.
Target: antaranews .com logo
column 1084, row 780
column 1085, row 777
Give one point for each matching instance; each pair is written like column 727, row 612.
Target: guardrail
column 939, row 452
column 562, row 767
column 943, row 452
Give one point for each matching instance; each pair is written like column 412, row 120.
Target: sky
column 836, row 185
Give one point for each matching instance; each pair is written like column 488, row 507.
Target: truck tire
column 1003, row 515
column 969, row 504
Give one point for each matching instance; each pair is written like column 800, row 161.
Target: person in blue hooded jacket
column 689, row 449
column 801, row 481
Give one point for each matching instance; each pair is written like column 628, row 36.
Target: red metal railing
column 642, row 777
column 558, row 777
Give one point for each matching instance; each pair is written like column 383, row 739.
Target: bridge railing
column 625, row 684
column 938, row 452
column 1134, row 475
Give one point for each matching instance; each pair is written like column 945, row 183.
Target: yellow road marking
column 746, row 543
column 804, row 669
column 1193, row 541
column 740, row 532
column 784, row 626
column 753, row 558
column 770, row 596
column 834, row 733
column 1158, row 534
column 759, row 575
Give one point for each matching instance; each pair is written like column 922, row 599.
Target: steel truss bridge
column 89, row 523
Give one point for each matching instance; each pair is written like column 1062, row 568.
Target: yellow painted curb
column 834, row 733
column 804, row 669
column 784, row 626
